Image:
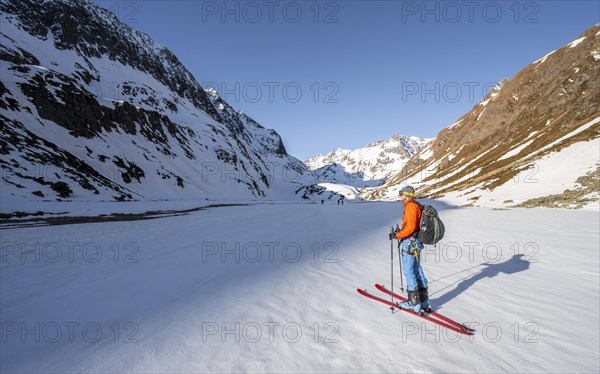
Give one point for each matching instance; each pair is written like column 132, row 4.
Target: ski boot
column 424, row 296
column 413, row 303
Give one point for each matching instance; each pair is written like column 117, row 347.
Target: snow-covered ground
column 349, row 192
column 549, row 175
column 272, row 288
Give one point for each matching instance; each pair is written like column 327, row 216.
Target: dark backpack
column 431, row 228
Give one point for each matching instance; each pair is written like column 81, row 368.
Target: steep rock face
column 93, row 32
column 549, row 106
column 92, row 109
column 367, row 166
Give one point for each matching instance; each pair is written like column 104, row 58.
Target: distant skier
column 416, row 283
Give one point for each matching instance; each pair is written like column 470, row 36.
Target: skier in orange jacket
column 416, row 283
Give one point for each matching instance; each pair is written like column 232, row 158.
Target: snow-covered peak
column 366, row 166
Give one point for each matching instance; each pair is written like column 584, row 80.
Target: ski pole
column 392, row 263
column 400, row 261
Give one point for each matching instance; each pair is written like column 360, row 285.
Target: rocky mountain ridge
column 532, row 136
column 94, row 110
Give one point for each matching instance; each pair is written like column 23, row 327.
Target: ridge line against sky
column 343, row 74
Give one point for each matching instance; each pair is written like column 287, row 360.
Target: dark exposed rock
column 62, row 189
column 22, row 57
column 131, row 170
column 46, row 153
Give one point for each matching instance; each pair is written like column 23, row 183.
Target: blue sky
column 332, row 74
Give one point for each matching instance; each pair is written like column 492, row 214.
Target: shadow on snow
column 514, row 265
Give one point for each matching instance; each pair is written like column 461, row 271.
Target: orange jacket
column 410, row 220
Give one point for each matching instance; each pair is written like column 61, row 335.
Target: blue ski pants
column 411, row 267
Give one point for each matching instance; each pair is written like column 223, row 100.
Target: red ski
column 433, row 314
column 452, row 327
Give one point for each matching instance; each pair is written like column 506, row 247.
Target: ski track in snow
column 169, row 289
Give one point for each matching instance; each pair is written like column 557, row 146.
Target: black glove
column 392, row 235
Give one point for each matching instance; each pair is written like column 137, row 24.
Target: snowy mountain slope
column 94, row 110
column 329, row 193
column 336, row 173
column 238, row 291
column 495, row 154
column 368, row 166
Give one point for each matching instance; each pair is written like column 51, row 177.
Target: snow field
column 272, row 288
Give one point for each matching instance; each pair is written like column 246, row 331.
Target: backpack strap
column 418, row 204
column 416, row 232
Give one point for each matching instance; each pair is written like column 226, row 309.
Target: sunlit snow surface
column 272, row 288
